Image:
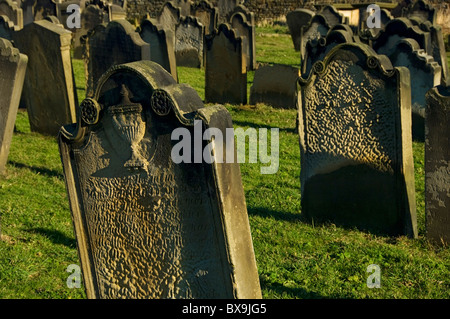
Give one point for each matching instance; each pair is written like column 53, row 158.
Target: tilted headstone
column 13, row 66
column 437, row 165
column 275, row 85
column 207, row 14
column 12, row 11
column 189, row 41
column 425, row 73
column 49, row 92
column 7, row 28
column 246, row 30
column 355, row 138
column 332, row 16
column 169, row 16
column 225, row 70
column 422, row 10
column 317, row 49
column 90, row 17
column 398, row 29
column 35, row 10
column 105, row 46
column 161, row 45
column 148, row 225
column 317, row 28
column 297, row 19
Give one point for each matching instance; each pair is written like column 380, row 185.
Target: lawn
column 295, row 259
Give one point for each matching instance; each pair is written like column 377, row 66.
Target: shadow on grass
column 254, row 125
column 290, row 292
column 39, row 170
column 269, row 213
column 55, row 236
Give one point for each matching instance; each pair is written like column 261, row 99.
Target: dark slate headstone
column 437, row 165
column 161, row 45
column 13, row 66
column 425, row 73
column 355, row 138
column 49, row 92
column 12, row 10
column 246, row 30
column 207, row 14
column 225, row 70
column 422, row 10
column 317, row 28
column 317, row 49
column 105, row 46
column 189, row 39
column 147, row 225
column 296, row 19
column 275, row 85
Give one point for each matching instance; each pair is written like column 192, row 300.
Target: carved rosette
column 161, row 102
column 90, row 111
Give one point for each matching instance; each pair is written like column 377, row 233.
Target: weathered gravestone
column 12, row 74
column 422, row 10
column 12, row 11
column 169, row 16
column 189, row 41
column 35, row 10
column 249, row 15
column 207, row 14
column 317, row 28
column 225, row 70
column 225, row 7
column 246, row 31
column 297, row 19
column 105, row 46
column 90, row 17
column 7, row 28
column 355, row 140
column 185, row 6
column 425, row 73
column 146, row 226
column 49, row 92
column 275, row 85
column 161, row 45
column 317, row 49
column 332, row 16
column 437, row 165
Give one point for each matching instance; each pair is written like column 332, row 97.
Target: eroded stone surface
column 147, row 227
column 356, row 159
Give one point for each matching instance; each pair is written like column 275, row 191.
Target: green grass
column 295, row 259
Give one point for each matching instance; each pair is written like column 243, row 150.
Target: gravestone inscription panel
column 355, row 140
column 149, row 226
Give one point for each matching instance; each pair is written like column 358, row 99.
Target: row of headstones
column 405, row 44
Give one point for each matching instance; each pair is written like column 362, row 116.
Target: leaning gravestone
column 146, row 226
column 296, row 19
column 355, row 139
column 49, row 92
column 246, row 30
column 12, row 11
column 275, row 85
column 317, row 28
column 169, row 16
column 161, row 45
column 105, row 46
column 12, row 74
column 425, row 73
column 189, row 41
column 207, row 14
column 437, row 165
column 225, row 70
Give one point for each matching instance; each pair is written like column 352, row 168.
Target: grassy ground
column 295, row 259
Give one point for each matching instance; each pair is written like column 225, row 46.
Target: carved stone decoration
column 355, row 140
column 437, row 165
column 12, row 74
column 146, row 225
column 317, row 28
